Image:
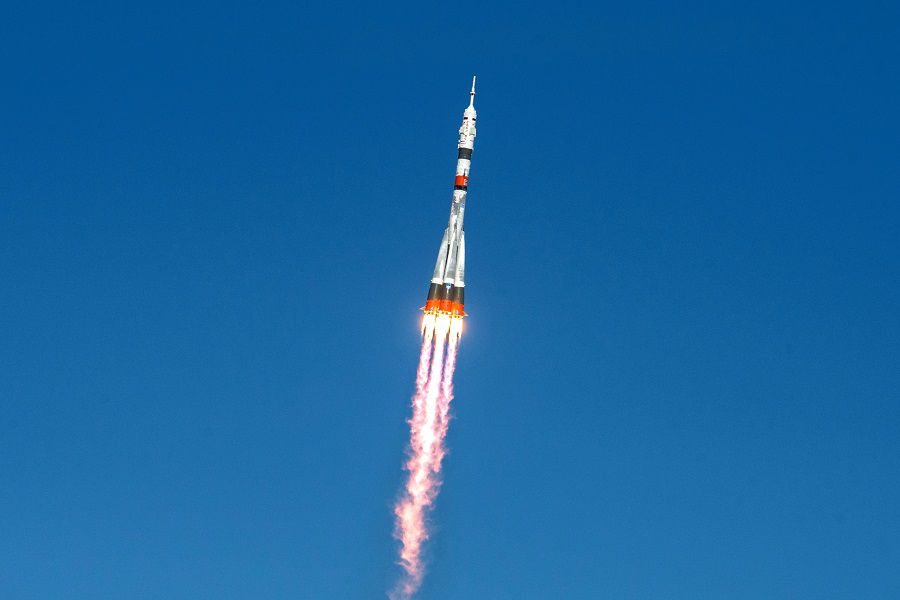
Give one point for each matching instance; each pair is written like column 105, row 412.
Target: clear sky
column 680, row 375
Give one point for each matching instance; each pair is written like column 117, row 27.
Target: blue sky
column 680, row 375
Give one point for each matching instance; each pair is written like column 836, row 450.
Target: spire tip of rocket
column 472, row 93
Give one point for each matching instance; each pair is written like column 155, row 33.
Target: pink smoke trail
column 447, row 388
column 428, row 427
column 425, row 354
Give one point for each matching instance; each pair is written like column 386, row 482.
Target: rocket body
column 446, row 294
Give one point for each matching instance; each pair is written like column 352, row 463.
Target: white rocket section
column 461, row 261
column 467, row 131
column 450, row 272
column 441, row 267
column 451, row 262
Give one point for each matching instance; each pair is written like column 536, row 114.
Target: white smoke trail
column 428, row 427
column 447, row 386
column 425, row 354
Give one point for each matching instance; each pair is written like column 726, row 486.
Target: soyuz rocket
column 446, row 292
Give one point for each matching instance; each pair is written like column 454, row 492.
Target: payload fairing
column 446, row 293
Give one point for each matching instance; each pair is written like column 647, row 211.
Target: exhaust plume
column 428, row 428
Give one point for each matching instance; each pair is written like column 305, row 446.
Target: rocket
column 446, row 292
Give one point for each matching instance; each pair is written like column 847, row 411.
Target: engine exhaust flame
column 428, row 428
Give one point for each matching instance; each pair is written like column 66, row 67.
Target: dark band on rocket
column 435, row 291
column 456, row 295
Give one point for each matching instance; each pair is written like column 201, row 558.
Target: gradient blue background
column 680, row 377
